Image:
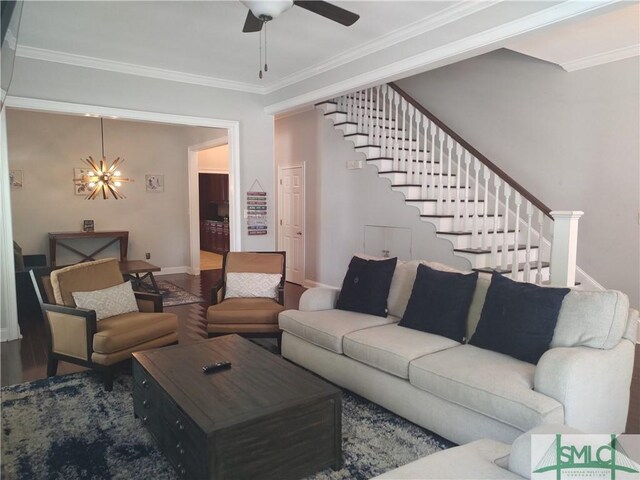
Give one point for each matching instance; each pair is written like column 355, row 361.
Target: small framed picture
column 15, row 178
column 154, row 183
column 81, row 188
column 87, row 226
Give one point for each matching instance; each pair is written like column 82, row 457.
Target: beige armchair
column 249, row 317
column 74, row 335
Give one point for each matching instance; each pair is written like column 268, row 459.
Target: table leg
column 52, row 252
column 153, row 282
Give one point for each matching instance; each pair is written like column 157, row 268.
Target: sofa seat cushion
column 122, row 332
column 390, row 348
column 476, row 460
column 487, row 382
column 327, row 328
column 245, row 310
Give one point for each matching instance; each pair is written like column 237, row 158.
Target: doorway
column 291, row 212
column 213, row 193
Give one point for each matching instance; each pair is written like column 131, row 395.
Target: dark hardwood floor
column 25, row 360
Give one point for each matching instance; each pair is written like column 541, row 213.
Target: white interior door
column 292, row 220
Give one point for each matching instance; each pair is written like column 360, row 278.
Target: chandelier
column 102, row 178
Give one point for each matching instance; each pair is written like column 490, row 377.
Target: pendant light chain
column 266, row 68
column 260, row 63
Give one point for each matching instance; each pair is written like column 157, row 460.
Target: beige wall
column 47, row 147
column 215, row 160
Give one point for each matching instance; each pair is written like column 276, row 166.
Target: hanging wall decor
column 256, row 209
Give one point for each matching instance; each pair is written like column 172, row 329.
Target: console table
column 55, row 241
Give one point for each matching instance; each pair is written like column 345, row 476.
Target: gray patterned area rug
column 68, row 428
column 173, row 295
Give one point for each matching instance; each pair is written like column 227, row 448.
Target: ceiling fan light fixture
column 267, row 8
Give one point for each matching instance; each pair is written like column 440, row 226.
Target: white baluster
column 495, row 260
column 370, row 129
column 486, row 174
column 415, row 164
column 476, row 203
column 383, row 132
column 377, row 116
column 516, row 235
column 396, row 159
column 456, row 214
column 504, row 260
column 432, row 180
column 449, row 189
column 440, row 197
column 527, row 267
column 367, row 113
column 403, row 158
column 409, row 165
column 540, row 241
column 467, row 211
column 425, row 164
column 349, row 108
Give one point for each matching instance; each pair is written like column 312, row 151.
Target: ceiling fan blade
column 328, row 10
column 252, row 23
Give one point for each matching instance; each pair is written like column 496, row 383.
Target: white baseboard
column 311, row 283
column 170, row 270
column 587, row 282
column 4, row 335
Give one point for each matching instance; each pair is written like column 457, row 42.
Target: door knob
column 298, row 233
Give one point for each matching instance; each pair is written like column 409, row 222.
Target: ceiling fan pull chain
column 266, row 68
column 260, row 64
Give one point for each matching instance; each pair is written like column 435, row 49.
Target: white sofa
column 462, row 392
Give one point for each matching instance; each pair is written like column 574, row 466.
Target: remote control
column 216, row 367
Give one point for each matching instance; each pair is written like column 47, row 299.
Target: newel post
column 564, row 248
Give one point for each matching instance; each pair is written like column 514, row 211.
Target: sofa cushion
column 591, row 319
column 245, row 311
column 128, row 330
column 390, row 348
column 327, row 328
column 366, row 286
column 402, row 283
column 439, row 302
column 490, row 383
column 518, row 318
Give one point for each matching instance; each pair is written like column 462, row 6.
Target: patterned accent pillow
column 109, row 301
column 242, row 284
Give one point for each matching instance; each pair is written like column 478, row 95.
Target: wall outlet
column 147, row 256
column 354, row 164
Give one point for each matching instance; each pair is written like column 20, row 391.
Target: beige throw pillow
column 109, row 301
column 243, row 285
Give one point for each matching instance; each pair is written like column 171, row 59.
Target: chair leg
column 108, row 379
column 52, row 367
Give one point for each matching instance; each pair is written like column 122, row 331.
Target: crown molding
column 132, row 69
column 602, row 58
column 557, row 13
column 424, row 25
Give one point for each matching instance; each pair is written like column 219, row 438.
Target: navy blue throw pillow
column 518, row 319
column 366, row 286
column 440, row 302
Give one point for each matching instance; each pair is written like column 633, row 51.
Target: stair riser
column 484, row 260
column 340, row 117
column 375, row 151
column 390, row 145
column 400, row 178
column 415, row 192
column 465, row 241
column 429, row 208
column 387, row 164
column 446, row 224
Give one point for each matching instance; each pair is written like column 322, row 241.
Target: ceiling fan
column 262, row 11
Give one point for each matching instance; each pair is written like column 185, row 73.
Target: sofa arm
column 318, row 298
column 149, row 302
column 593, row 385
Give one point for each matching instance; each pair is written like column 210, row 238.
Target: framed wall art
column 15, row 178
column 154, row 183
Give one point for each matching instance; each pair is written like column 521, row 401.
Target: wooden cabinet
column 214, row 236
column 213, row 189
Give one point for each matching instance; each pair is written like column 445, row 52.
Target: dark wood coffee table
column 263, row 418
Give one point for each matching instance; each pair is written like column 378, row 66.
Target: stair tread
column 420, row 185
column 431, row 200
column 419, row 173
column 326, row 101
column 391, row 158
column 483, row 250
column 509, row 268
column 453, row 216
column 471, row 233
column 402, row 148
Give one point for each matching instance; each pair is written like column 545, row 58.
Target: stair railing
column 436, row 159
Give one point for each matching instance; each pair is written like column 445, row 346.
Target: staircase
column 490, row 219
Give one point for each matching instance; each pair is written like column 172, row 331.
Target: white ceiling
column 202, row 42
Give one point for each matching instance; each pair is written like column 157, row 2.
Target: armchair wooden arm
column 70, row 330
column 149, row 302
column 217, row 293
